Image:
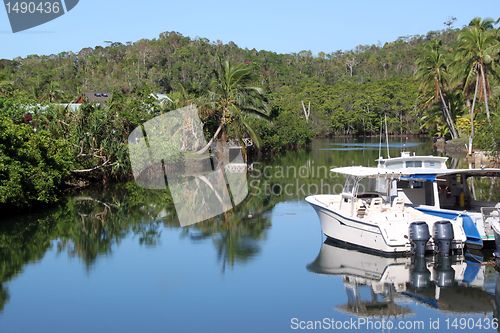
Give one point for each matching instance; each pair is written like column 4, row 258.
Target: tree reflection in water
column 23, row 241
column 101, row 218
column 90, row 224
column 236, row 234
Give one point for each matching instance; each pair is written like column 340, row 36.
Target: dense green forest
column 431, row 84
column 363, row 78
column 348, row 90
column 161, row 64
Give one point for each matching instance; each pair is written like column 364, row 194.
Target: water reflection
column 496, row 303
column 383, row 286
column 90, row 225
column 236, row 237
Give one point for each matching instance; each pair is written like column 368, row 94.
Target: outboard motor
column 443, row 235
column 419, row 235
column 420, row 275
column 444, row 273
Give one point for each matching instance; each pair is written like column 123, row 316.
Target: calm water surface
column 116, row 260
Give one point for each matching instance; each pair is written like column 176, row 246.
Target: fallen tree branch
column 104, row 165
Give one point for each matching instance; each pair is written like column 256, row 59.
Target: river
column 115, row 259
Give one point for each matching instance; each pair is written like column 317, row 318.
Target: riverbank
column 458, row 149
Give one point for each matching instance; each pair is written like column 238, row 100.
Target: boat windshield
column 349, row 184
column 355, row 186
column 367, row 185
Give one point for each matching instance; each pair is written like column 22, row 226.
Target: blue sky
column 279, row 26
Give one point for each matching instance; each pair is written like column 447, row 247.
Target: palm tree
column 53, row 92
column 232, row 98
column 486, row 24
column 478, row 47
column 432, row 71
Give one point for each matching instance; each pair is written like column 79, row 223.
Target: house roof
column 97, row 96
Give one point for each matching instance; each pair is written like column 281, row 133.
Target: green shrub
column 32, row 164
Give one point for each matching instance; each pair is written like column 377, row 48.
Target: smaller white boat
column 367, row 214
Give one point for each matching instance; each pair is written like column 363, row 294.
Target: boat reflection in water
column 453, row 284
column 496, row 303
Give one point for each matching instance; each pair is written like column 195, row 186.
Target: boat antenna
column 380, row 145
column 387, row 136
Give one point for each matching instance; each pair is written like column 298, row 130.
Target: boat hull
column 357, row 233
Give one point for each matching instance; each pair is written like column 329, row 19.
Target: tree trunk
column 490, row 128
column 485, row 94
column 308, row 111
column 447, row 116
column 472, row 116
column 204, row 149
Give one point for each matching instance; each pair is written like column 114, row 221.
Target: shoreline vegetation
column 431, row 85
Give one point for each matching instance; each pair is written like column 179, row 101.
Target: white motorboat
column 369, row 215
column 425, row 183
